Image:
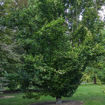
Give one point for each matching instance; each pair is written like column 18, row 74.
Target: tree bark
column 58, row 100
column 95, row 80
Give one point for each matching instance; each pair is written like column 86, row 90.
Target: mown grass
column 89, row 94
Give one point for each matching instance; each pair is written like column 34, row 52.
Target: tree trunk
column 58, row 100
column 95, row 80
column 87, row 81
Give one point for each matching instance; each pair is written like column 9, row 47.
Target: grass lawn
column 89, row 94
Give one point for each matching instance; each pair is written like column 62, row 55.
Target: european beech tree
column 58, row 46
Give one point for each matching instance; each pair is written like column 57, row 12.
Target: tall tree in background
column 9, row 56
column 96, row 72
column 55, row 55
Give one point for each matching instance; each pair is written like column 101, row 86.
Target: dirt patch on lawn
column 4, row 97
column 64, row 103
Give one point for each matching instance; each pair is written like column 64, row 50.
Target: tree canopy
column 57, row 45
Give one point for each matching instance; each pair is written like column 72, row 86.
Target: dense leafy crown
column 55, row 55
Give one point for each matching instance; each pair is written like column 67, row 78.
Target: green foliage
column 9, row 56
column 52, row 59
column 12, row 81
column 96, row 68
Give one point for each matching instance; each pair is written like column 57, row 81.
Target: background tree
column 9, row 56
column 95, row 71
